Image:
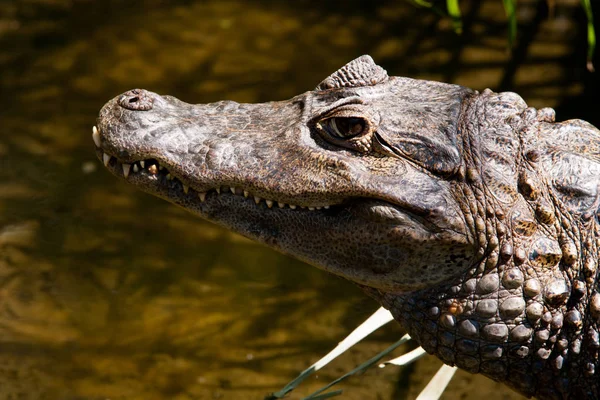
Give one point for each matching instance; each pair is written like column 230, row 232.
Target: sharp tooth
column 218, row 190
column 106, row 159
column 126, row 168
column 152, row 169
column 311, row 208
column 232, row 189
column 318, row 208
column 186, row 188
column 96, row 136
column 246, row 193
column 269, row 203
column 257, row 199
column 160, row 167
column 143, row 164
column 169, row 177
column 293, row 207
column 280, row 204
column 326, row 207
column 202, row 196
column 135, row 168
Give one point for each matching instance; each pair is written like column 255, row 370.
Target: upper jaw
column 167, row 180
column 171, row 144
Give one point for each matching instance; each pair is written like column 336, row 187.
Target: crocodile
column 470, row 216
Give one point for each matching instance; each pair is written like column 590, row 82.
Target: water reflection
column 109, row 293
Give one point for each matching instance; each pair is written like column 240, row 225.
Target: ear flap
column 360, row 72
column 433, row 150
column 573, row 162
column 421, row 124
column 576, row 179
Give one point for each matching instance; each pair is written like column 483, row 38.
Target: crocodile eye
column 351, row 127
column 344, row 127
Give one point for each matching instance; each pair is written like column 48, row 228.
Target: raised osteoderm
column 470, row 216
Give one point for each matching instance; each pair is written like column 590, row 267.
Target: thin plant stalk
column 591, row 33
column 454, row 13
column 510, row 7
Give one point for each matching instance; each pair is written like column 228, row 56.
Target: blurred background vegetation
column 453, row 11
column 106, row 292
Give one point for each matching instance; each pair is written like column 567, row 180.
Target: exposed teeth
column 257, row 199
column 154, row 168
column 96, row 136
column 126, row 168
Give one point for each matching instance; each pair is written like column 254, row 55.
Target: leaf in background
column 374, row 322
column 591, row 33
column 454, row 12
column 422, row 3
column 510, row 9
column 361, row 368
column 428, row 4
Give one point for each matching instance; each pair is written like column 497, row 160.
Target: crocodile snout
column 137, row 100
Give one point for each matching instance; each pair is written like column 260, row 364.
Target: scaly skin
column 470, row 216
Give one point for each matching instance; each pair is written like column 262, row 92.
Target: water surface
column 108, row 293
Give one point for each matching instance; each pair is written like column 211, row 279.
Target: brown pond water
column 108, row 293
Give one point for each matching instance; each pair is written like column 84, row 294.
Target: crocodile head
column 360, row 177
column 471, row 217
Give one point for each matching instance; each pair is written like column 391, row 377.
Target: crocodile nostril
column 136, row 100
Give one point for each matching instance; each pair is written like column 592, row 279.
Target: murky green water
column 108, row 293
